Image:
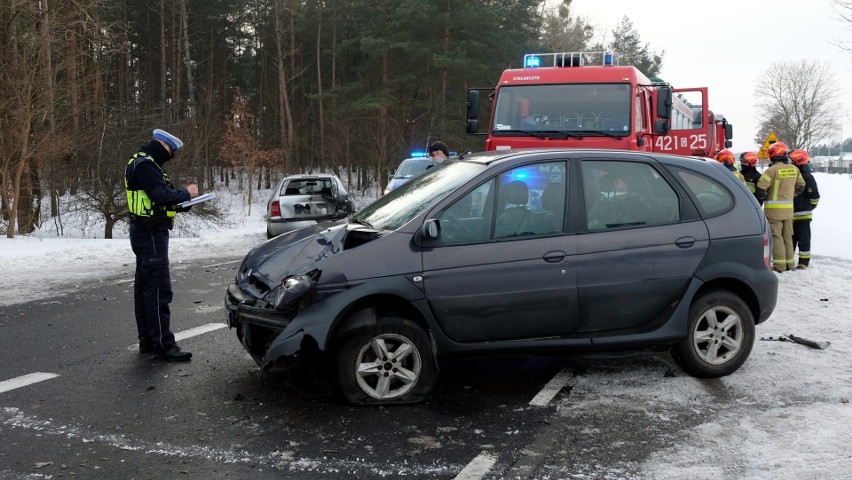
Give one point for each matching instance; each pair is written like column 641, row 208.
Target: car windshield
column 581, row 109
column 411, row 167
column 417, row 195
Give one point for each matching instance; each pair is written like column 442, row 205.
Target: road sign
column 770, row 139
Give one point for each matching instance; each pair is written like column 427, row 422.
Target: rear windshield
column 307, row 186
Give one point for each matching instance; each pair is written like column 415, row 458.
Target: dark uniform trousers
column 152, row 289
column 802, row 240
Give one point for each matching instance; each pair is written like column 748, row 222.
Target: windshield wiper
column 355, row 219
column 544, row 133
column 602, row 132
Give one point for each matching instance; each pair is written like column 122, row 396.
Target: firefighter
column 777, row 187
column 726, row 158
column 748, row 168
column 151, row 199
column 803, row 207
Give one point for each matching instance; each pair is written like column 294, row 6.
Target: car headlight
column 293, row 288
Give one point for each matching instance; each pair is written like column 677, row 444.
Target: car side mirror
column 431, row 229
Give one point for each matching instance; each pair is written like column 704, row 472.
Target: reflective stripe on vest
column 137, row 200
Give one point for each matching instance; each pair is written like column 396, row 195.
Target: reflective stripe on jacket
column 780, row 182
column 805, row 203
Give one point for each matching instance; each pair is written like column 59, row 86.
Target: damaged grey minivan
column 532, row 252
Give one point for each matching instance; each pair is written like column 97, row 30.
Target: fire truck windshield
column 581, row 109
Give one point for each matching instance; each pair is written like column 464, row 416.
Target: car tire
column 407, row 374
column 720, row 336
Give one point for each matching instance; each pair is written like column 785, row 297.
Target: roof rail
column 569, row 59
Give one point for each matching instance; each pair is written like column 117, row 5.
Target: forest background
column 257, row 89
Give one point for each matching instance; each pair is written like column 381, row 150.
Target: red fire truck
column 568, row 100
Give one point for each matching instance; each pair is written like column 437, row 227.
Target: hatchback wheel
column 720, row 337
column 389, row 363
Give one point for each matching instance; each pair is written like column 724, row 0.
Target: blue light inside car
column 419, row 155
column 520, row 175
column 532, row 62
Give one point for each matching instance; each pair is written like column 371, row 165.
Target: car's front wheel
column 720, row 336
column 390, row 362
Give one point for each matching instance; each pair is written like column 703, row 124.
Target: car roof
column 526, row 154
column 310, row 176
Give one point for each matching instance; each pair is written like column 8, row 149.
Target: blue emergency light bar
column 419, row 155
column 531, row 62
column 569, row 59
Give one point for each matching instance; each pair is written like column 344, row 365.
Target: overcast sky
column 726, row 44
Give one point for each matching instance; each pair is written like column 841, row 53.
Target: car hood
column 293, row 253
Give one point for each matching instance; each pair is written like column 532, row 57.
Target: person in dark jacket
column 748, row 168
column 803, row 208
column 152, row 201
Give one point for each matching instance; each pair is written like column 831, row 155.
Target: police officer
column 803, row 207
column 748, row 168
column 776, row 188
column 151, row 199
column 726, row 158
column 438, row 151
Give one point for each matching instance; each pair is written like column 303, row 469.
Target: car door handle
column 685, row 242
column 555, row 256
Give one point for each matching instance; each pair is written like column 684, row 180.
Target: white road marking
column 223, row 263
column 25, row 380
column 551, row 389
column 478, row 467
column 192, row 332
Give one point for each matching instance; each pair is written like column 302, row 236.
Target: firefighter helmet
column 777, row 149
column 726, row 157
column 799, row 157
column 748, row 159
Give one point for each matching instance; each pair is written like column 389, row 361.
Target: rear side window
column 627, row 194
column 713, row 199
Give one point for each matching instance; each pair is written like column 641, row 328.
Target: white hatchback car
column 304, row 200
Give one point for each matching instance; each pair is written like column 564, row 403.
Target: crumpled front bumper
column 256, row 324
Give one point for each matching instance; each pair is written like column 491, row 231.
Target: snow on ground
column 791, row 416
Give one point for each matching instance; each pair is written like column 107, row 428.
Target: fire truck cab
column 563, row 100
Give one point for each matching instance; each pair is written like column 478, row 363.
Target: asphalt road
column 102, row 410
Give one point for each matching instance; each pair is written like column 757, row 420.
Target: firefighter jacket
column 751, row 176
column 806, row 202
column 777, row 187
column 737, row 174
column 150, row 195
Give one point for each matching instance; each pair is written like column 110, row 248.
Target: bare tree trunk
column 285, row 114
column 319, row 86
column 444, row 69
column 163, row 63
column 383, row 113
column 190, row 86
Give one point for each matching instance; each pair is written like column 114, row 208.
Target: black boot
column 173, row 354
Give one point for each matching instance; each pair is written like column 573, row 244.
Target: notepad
column 198, row 199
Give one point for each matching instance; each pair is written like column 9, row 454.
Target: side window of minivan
column 627, row 194
column 520, row 203
column 468, row 220
column 713, row 199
